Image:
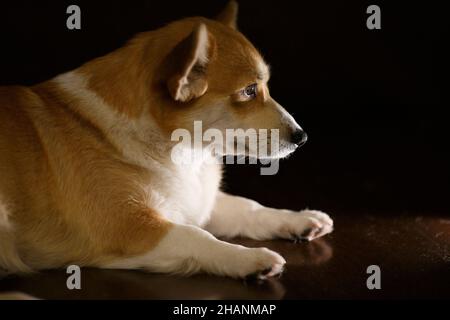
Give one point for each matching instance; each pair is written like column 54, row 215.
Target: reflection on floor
column 412, row 251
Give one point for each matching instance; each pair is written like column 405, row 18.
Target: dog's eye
column 250, row 92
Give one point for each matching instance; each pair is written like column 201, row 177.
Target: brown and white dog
column 86, row 175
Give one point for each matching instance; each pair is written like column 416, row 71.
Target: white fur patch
column 188, row 249
column 236, row 216
column 130, row 136
column 182, row 194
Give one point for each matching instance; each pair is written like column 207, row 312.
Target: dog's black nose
column 299, row 137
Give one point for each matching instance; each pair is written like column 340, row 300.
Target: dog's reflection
column 313, row 253
column 119, row 284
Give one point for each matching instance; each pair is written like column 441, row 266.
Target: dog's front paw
column 260, row 263
column 307, row 225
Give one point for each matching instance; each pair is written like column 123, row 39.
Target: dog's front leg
column 235, row 216
column 189, row 249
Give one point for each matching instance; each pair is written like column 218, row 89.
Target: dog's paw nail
column 265, row 272
column 306, row 233
column 318, row 231
column 256, row 277
column 261, row 276
column 281, row 273
column 295, row 238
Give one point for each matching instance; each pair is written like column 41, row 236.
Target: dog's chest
column 188, row 194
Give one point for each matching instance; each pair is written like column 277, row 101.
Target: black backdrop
column 372, row 102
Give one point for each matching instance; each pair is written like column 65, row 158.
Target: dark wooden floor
column 413, row 252
column 377, row 158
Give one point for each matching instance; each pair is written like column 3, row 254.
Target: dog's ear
column 191, row 58
column 229, row 14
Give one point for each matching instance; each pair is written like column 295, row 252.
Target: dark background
column 372, row 101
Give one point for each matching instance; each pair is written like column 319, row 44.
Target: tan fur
column 72, row 193
column 9, row 258
column 228, row 16
column 73, row 199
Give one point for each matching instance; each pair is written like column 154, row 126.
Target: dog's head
column 213, row 74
